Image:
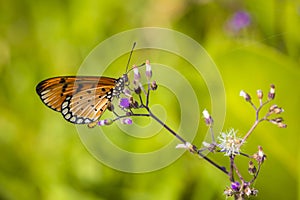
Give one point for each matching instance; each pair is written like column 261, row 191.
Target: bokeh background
column 253, row 43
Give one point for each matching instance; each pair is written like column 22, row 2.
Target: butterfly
column 81, row 99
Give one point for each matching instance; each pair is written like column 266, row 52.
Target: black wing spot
column 61, row 94
column 80, row 97
column 103, row 89
column 64, row 87
column 89, row 91
column 62, row 80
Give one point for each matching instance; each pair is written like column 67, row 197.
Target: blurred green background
column 42, row 156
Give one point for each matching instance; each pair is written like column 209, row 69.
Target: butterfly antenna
column 130, row 55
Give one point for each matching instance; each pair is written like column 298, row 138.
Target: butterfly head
column 120, row 85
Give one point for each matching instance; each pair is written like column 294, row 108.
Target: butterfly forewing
column 80, row 99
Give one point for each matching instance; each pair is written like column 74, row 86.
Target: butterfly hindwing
column 80, row 99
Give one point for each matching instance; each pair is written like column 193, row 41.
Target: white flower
column 229, row 142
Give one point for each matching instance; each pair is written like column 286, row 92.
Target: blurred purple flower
column 235, row 186
column 239, row 20
column 127, row 121
column 124, row 103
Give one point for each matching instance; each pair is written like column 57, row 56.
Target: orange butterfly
column 81, row 99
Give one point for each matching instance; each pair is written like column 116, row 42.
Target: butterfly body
column 80, row 99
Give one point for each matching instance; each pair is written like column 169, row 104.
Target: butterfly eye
column 125, row 78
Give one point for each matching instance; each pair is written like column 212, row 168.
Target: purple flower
column 239, row 20
column 126, row 121
column 124, row 103
column 104, row 122
column 235, row 186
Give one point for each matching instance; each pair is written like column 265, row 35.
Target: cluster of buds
column 259, row 93
column 274, row 109
column 128, row 102
column 138, row 87
column 240, row 191
column 230, row 144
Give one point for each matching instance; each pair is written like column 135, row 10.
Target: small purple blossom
column 124, row 103
column 104, row 122
column 235, row 186
column 239, row 20
column 126, row 121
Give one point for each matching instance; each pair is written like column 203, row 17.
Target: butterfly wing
column 80, row 99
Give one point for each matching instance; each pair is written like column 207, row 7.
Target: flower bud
column 251, row 168
column 275, row 109
column 278, row 119
column 127, row 92
column 138, row 90
column 137, row 75
column 259, row 94
column 228, row 192
column 133, row 103
column 208, row 119
column 247, row 191
column 245, row 95
column 271, row 94
column 127, row 121
column 281, row 125
column 105, row 122
column 153, row 85
column 148, row 70
column 128, row 114
column 260, row 156
column 187, row 146
column 279, row 122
